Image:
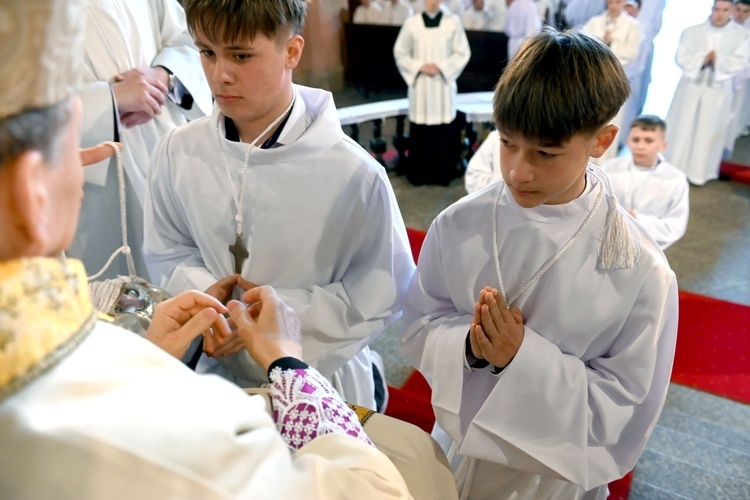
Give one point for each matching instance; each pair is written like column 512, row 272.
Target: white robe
column 454, row 6
column 626, row 45
column 521, row 20
column 477, row 20
column 432, row 99
column 484, row 165
column 321, row 224
column 575, row 407
column 371, row 14
column 499, row 9
column 659, row 195
column 700, row 111
column 395, row 14
column 118, row 418
column 121, row 35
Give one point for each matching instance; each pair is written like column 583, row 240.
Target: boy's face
column 720, row 12
column 741, row 12
column 645, row 145
column 546, row 175
column 632, row 10
column 251, row 81
column 615, row 7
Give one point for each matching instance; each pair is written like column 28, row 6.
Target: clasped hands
column 140, row 94
column 496, row 331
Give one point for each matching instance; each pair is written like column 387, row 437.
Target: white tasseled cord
column 620, row 246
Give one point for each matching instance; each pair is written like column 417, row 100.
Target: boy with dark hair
column 269, row 190
column 542, row 316
column 652, row 190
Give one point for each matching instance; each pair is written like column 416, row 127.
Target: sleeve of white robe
column 729, row 65
column 691, row 53
column 484, row 166
column 630, row 44
column 173, row 256
column 671, row 226
column 452, row 67
column 403, row 53
column 341, row 318
column 548, row 412
column 179, row 54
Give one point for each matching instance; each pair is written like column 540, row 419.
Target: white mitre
column 40, row 53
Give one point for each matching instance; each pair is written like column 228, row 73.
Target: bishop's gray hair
column 35, row 130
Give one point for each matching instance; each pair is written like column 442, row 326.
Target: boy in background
column 652, row 190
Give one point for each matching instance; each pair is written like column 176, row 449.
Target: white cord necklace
column 551, row 261
column 237, row 249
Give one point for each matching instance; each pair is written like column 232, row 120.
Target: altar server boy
column 651, row 189
column 542, row 316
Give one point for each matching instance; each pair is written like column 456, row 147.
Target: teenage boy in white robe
column 395, row 12
column 90, row 411
column 142, row 78
column 521, row 20
column 542, row 315
column 269, row 190
column 623, row 35
column 368, row 12
column 652, row 190
column 431, row 51
column 710, row 55
column 741, row 110
column 477, row 18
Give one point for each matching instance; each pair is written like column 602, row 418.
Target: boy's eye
column 504, row 142
column 545, row 154
column 207, row 53
column 242, row 57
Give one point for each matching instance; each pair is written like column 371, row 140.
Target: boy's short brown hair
column 560, row 84
column 649, row 122
column 231, row 21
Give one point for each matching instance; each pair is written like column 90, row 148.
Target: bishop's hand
column 499, row 334
column 177, row 321
column 226, row 346
column 90, row 156
column 269, row 328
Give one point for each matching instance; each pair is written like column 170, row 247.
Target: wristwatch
column 172, row 83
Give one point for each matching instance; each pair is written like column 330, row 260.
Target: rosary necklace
column 237, row 249
column 551, row 261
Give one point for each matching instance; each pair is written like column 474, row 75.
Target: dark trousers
column 433, row 153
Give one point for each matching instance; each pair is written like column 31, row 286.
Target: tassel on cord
column 621, row 245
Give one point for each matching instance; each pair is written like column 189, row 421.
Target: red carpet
column 734, row 172
column 713, row 355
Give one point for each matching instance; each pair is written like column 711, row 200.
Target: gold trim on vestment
column 363, row 414
column 45, row 312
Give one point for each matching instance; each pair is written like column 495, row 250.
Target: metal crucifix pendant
column 239, row 252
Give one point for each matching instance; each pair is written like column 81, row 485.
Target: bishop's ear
column 604, row 139
column 29, row 200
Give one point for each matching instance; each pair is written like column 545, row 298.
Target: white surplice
column 477, row 20
column 659, row 195
column 432, row 99
column 368, row 14
column 698, row 117
column 521, row 20
column 118, row 418
column 321, row 224
column 121, row 35
column 394, row 14
column 626, row 44
column 576, row 405
column 484, row 165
